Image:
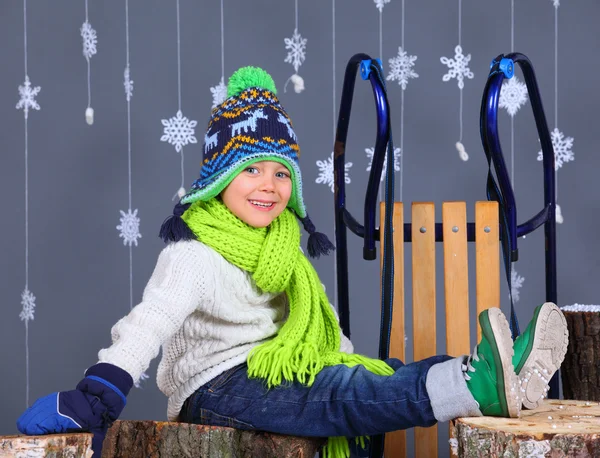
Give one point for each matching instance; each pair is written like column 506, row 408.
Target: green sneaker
column 489, row 371
column 539, row 352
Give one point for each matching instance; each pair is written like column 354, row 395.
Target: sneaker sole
column 503, row 339
column 551, row 339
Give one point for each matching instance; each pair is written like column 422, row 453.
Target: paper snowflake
column 326, row 172
column 556, row 3
column 143, row 377
column 27, row 99
column 562, row 149
column 219, row 93
column 513, row 95
column 371, row 151
column 401, row 68
column 178, row 131
column 516, row 282
column 458, row 67
column 88, row 34
column 28, row 304
column 297, row 50
column 127, row 84
column 380, row 3
column 129, row 228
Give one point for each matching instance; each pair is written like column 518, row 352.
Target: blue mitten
column 96, row 402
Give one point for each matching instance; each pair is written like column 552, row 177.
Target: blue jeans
column 342, row 401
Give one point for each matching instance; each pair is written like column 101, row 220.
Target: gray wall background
column 79, row 268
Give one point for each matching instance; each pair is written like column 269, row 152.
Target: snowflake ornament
column 516, row 283
column 88, row 34
column 127, row 84
column 556, row 3
column 371, row 151
column 297, row 50
column 219, row 93
column 129, row 228
column 562, row 149
column 379, row 4
column 513, row 95
column 28, row 95
column 401, row 68
column 28, row 305
column 178, row 131
column 458, row 67
column 326, row 172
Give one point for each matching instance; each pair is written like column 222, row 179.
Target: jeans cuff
column 448, row 392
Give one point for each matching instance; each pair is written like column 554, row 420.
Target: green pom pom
column 247, row 77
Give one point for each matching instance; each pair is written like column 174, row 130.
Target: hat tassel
column 318, row 243
column 174, row 228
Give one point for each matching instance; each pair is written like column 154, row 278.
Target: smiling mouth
column 262, row 205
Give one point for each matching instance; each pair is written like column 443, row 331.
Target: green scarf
column 310, row 338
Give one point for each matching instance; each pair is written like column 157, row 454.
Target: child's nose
column 268, row 184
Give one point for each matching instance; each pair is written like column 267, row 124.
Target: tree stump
column 152, row 439
column 580, row 371
column 556, row 429
column 53, row 445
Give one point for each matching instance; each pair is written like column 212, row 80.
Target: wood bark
column 52, row 445
column 556, row 429
column 580, row 371
column 150, row 439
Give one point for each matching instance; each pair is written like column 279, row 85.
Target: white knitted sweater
column 206, row 313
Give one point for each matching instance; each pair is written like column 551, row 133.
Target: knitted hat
column 248, row 127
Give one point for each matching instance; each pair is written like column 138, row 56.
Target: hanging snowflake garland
column 219, row 93
column 28, row 305
column 458, row 67
column 127, row 84
column 179, row 131
column 401, row 68
column 516, row 283
column 379, row 4
column 130, row 227
column 90, row 39
column 513, row 95
column 397, row 153
column 326, row 172
column 562, row 149
column 296, row 47
column 27, row 95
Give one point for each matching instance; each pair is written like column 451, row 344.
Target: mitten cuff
column 112, row 376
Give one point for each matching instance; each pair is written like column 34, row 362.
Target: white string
column 296, row 14
column 459, row 22
column 555, row 91
column 335, row 275
column 89, row 81
column 26, row 214
column 178, row 59
column 512, row 119
column 402, row 116
column 129, row 152
column 179, row 88
column 222, row 45
column 460, row 137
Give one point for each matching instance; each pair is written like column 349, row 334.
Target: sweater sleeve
column 178, row 286
column 345, row 343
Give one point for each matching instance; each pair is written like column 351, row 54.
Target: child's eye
column 282, row 175
column 251, row 170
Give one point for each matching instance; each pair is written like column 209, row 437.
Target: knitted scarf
column 310, row 338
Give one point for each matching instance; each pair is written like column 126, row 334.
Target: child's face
column 259, row 193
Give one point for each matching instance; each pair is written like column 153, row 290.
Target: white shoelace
column 466, row 368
